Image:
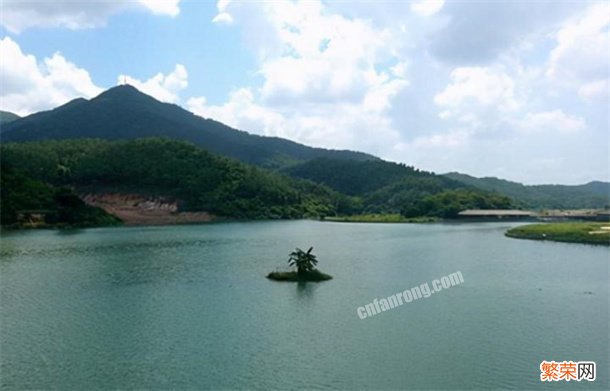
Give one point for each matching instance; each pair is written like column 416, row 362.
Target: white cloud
column 330, row 125
column 320, row 55
column 477, row 96
column 29, row 85
column 451, row 139
column 326, row 77
column 165, row 88
column 482, row 85
column 581, row 58
column 162, row 7
column 595, row 91
column 223, row 16
column 241, row 112
column 555, row 121
column 427, row 7
column 19, row 15
column 480, row 32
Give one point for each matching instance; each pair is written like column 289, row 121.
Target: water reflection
column 305, row 289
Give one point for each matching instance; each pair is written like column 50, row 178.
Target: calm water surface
column 189, row 307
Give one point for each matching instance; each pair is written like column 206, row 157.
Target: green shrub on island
column 305, row 263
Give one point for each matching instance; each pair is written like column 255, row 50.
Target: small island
column 571, row 232
column 305, row 262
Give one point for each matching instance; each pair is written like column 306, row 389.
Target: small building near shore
column 496, row 214
column 32, row 218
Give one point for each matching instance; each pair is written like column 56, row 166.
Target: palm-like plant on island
column 304, row 261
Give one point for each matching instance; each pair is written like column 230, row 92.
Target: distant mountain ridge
column 123, row 112
column 594, row 194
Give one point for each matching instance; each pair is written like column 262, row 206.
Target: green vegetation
column 380, row 218
column 201, row 181
column 574, row 232
column 449, row 203
column 591, row 195
column 162, row 167
column 305, row 262
column 390, row 192
column 123, row 112
column 29, row 202
column 358, row 178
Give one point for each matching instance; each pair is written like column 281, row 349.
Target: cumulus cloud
column 223, row 16
column 483, row 85
column 327, row 80
column 241, row 112
column 477, row 96
column 581, row 58
column 162, row 7
column 30, row 85
column 19, row 15
column 478, row 32
column 330, row 125
column 165, row 88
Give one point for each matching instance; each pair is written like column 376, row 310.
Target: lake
column 190, row 307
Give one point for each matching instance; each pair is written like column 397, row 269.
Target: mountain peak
column 123, row 90
column 124, row 112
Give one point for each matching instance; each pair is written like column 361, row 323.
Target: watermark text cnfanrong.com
column 422, row 291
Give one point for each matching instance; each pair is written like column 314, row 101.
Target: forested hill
column 386, row 187
column 123, row 112
column 6, row 117
column 198, row 180
column 361, row 177
column 590, row 195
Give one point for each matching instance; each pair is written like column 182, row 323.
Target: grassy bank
column 380, row 218
column 572, row 232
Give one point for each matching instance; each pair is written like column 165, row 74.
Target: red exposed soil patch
column 136, row 209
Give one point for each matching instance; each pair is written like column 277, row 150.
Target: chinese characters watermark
column 567, row 370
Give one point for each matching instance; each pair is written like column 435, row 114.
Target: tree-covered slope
column 362, row 177
column 386, row 187
column 6, row 117
column 123, row 112
column 199, row 180
column 591, row 195
column 21, row 193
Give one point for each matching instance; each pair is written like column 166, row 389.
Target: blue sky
column 517, row 90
